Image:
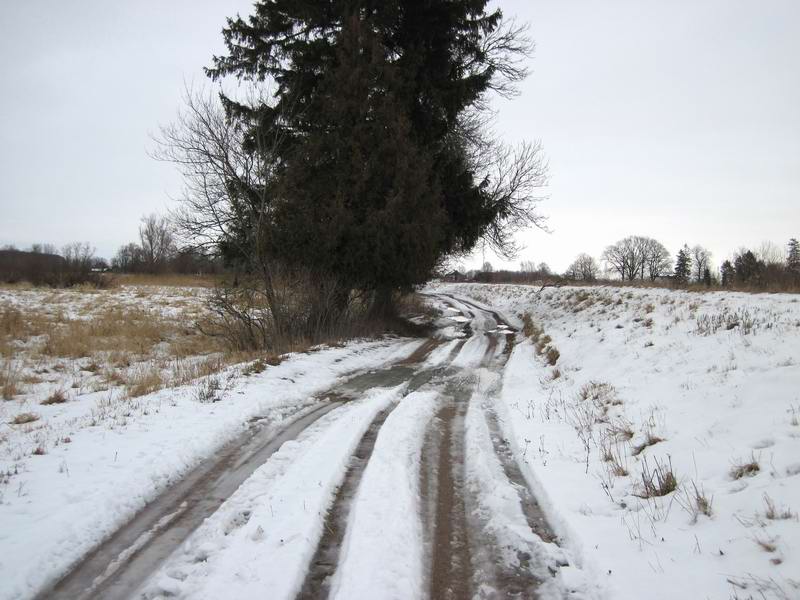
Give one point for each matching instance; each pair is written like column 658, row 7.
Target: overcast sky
column 678, row 120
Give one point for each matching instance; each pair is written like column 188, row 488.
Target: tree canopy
column 379, row 161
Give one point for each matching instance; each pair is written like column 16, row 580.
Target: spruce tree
column 728, row 273
column 683, row 266
column 793, row 257
column 372, row 125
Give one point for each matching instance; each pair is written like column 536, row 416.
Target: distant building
column 454, row 276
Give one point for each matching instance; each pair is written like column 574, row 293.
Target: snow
column 498, row 510
column 277, row 513
column 381, row 558
column 716, row 376
column 109, row 455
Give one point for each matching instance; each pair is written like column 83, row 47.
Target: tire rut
column 534, row 514
column 326, row 557
column 120, row 565
column 450, row 575
column 323, row 564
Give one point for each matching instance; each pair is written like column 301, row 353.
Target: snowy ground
column 436, row 473
column 84, row 466
column 647, row 383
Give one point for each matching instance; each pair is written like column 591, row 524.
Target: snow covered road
column 393, row 484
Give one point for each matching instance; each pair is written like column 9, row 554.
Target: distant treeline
column 640, row 260
column 43, row 265
column 76, row 263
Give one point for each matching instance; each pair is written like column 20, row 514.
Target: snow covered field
column 660, row 429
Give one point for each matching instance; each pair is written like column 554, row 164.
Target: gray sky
column 678, row 120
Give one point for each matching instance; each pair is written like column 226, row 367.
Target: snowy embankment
column 114, row 454
column 647, row 385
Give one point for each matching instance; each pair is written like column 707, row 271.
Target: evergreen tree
column 728, row 273
column 793, row 257
column 683, row 266
column 748, row 268
column 707, row 277
column 376, row 131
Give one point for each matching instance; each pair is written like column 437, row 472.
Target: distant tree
column 637, row 257
column 749, row 269
column 157, row 242
column 584, row 267
column 128, row 259
column 527, row 266
column 656, row 258
column 621, row 258
column 487, row 267
column 728, row 273
column 544, row 269
column 770, row 253
column 793, row 257
column 683, row 266
column 701, row 260
column 707, row 280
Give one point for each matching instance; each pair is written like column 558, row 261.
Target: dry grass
column 745, row 469
column 696, row 502
column 621, row 430
column 23, row 418
column 552, row 355
column 542, row 342
column 614, row 461
column 57, row 397
column 767, row 545
column 144, row 379
column 168, row 280
column 658, row 481
column 10, row 384
column 773, row 513
column 650, row 439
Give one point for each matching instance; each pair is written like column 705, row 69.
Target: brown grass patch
column 650, row 440
column 23, row 418
column 57, row 397
column 773, row 513
column 745, row 469
column 144, row 380
column 658, row 481
column 168, row 280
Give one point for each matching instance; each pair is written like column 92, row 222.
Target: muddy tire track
column 450, row 573
column 326, row 558
column 120, row 565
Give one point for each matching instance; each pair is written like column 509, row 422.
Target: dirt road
column 467, row 551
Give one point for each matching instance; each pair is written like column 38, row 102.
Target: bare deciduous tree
column 637, row 257
column 701, row 260
column 584, row 267
column 157, row 242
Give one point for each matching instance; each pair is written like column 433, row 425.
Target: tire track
column 326, row 557
column 118, row 566
column 442, row 481
column 323, row 564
